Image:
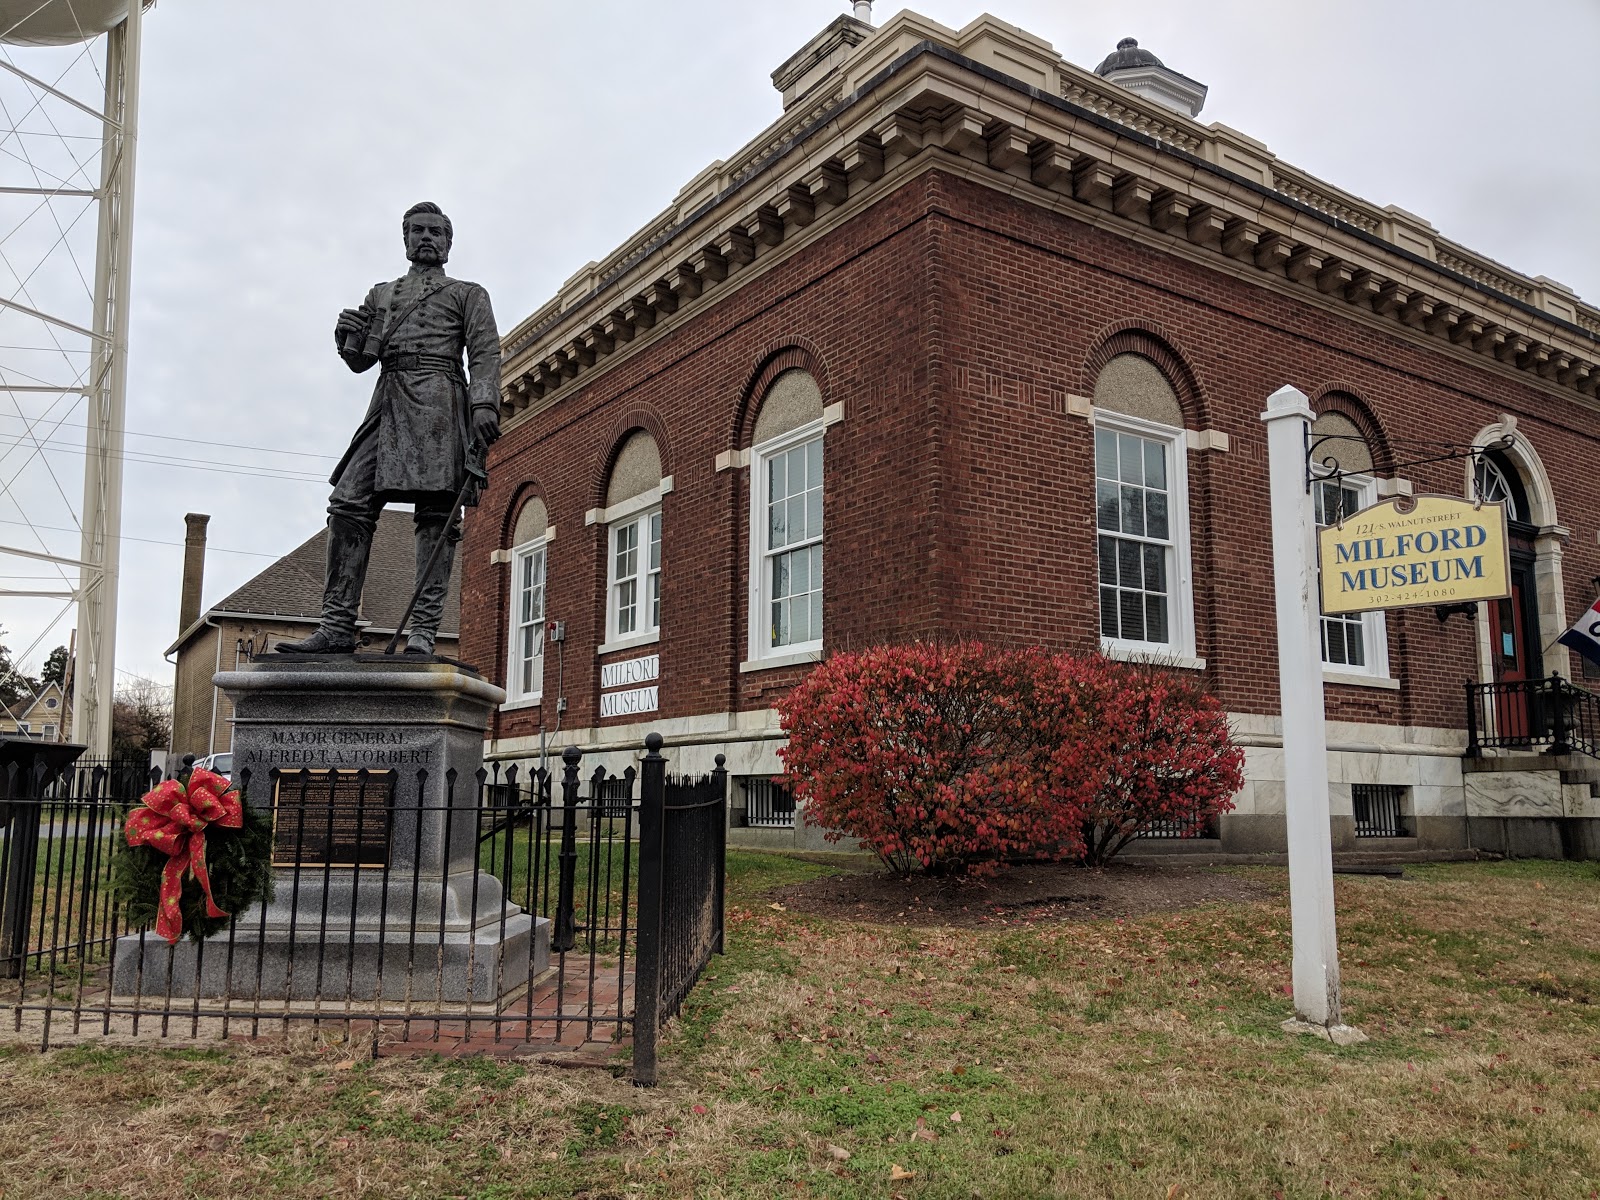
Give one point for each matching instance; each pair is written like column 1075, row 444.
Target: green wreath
column 238, row 862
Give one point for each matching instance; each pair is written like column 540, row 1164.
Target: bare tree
column 14, row 685
column 141, row 718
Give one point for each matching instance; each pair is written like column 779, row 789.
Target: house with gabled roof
column 45, row 715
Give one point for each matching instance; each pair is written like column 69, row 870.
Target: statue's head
column 428, row 233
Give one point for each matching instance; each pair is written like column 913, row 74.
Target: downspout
column 211, row 735
column 172, row 725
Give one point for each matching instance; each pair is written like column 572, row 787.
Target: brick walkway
column 554, row 1018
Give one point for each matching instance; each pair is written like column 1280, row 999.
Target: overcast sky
column 279, row 144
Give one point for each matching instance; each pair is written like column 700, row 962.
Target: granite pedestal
column 378, row 895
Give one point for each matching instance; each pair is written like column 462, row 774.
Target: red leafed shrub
column 957, row 759
column 1159, row 749
column 947, row 758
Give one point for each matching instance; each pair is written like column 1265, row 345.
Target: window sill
column 1160, row 658
column 780, row 660
column 1350, row 679
column 628, row 643
column 524, row 702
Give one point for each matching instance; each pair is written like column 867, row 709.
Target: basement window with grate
column 767, row 805
column 1380, row 810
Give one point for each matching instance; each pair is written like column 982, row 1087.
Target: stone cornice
column 1215, row 193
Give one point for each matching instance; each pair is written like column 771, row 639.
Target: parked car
column 221, row 764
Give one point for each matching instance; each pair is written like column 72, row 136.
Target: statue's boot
column 349, row 545
column 432, row 585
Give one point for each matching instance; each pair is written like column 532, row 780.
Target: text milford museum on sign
column 1441, row 550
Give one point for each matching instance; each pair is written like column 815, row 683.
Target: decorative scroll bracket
column 1328, row 468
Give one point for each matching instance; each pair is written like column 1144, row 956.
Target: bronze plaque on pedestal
column 332, row 818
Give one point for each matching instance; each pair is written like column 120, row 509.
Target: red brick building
column 989, row 335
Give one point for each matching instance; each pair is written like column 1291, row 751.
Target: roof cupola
column 1143, row 73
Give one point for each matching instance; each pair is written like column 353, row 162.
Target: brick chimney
column 194, row 569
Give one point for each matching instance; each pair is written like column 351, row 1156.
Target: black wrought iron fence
column 1551, row 715
column 410, row 920
column 486, row 910
column 682, row 832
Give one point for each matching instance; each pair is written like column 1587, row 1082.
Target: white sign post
column 1305, row 742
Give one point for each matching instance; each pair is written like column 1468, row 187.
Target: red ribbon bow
column 174, row 820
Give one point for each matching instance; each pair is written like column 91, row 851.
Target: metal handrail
column 1550, row 715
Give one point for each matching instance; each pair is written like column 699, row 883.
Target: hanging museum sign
column 1434, row 550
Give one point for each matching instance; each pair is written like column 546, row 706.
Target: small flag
column 1584, row 637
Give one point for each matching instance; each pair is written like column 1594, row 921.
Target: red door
column 1508, row 650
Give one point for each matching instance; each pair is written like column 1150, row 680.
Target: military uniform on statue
column 425, row 434
column 365, row 762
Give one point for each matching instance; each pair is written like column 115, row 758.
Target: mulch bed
column 1048, row 892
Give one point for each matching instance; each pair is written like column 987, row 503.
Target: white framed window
column 1142, row 530
column 786, row 544
column 525, row 662
column 1352, row 643
column 633, row 586
column 49, row 733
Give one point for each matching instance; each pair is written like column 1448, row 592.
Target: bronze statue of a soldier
column 425, row 434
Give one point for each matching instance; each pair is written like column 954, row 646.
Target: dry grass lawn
column 1137, row 1058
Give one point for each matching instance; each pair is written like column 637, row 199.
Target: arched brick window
column 529, row 564
column 786, row 519
column 1142, row 511
column 632, row 517
column 1355, row 646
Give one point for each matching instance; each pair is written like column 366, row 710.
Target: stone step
column 1580, row 763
